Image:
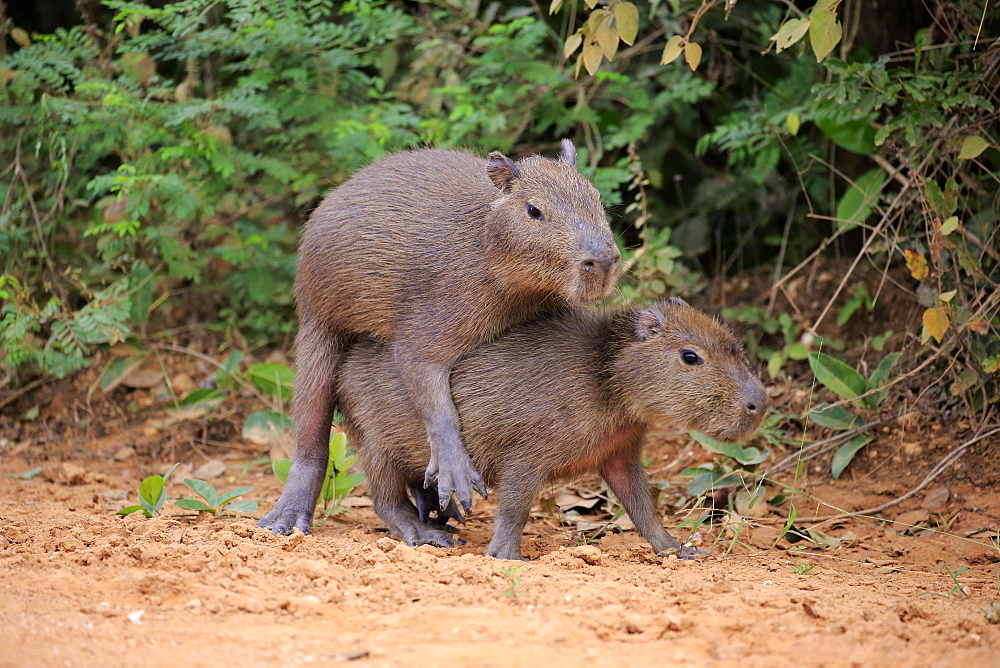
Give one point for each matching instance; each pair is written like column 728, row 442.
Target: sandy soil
column 82, row 586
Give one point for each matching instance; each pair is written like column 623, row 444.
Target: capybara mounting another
column 572, row 392
column 433, row 252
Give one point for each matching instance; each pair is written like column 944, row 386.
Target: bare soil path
column 81, row 586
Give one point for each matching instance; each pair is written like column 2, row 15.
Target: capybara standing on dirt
column 570, row 393
column 434, row 252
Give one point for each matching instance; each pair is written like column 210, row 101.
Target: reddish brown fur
column 571, row 393
column 433, row 252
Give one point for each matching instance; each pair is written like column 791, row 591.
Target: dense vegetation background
column 158, row 161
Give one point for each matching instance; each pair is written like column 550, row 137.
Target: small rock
column 136, row 616
column 722, row 587
column 123, row 453
column 636, row 623
column 591, row 554
column 213, row 468
column 76, row 474
column 744, row 586
column 194, row 604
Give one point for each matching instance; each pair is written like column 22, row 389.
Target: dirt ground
column 82, row 586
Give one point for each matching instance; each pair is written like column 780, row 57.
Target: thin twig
column 945, row 462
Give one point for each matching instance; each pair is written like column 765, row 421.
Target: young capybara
column 569, row 393
column 433, row 252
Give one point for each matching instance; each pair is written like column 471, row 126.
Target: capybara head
column 549, row 220
column 684, row 367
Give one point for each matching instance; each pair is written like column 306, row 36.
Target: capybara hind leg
column 317, row 356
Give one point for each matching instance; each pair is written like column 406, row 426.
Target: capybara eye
column 534, row 212
column 691, row 358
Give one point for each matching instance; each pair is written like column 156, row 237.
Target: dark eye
column 691, row 358
column 534, row 212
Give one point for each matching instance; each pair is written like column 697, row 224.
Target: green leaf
column 224, row 376
column 949, row 225
column 821, row 539
column 835, row 417
column 972, row 146
column 27, row 475
column 197, row 403
column 846, row 452
column 205, row 490
column 149, row 510
column 858, row 202
column 194, row 504
column 856, row 135
column 627, row 19
column 151, row 489
column 837, row 376
column 555, row 6
column 131, row 509
column 266, row 427
column 140, row 286
column 116, row 371
column 791, row 32
column 943, row 202
column 708, row 481
column 348, row 481
column 793, row 122
column 274, row 380
column 281, row 467
column 879, row 378
column 824, row 33
column 232, row 494
column 242, row 506
column 748, row 456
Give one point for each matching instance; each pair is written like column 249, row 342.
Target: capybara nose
column 603, row 262
column 755, row 399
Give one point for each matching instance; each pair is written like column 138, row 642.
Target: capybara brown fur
column 433, row 252
column 572, row 392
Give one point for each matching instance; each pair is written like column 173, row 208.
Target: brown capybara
column 433, row 252
column 572, row 392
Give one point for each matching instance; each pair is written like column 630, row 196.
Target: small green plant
column 215, row 503
column 27, row 475
column 152, row 493
column 515, row 581
column 850, row 384
column 959, row 588
column 802, row 567
column 790, row 346
column 339, row 482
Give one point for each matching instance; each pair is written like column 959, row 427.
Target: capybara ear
column 568, row 152
column 678, row 301
column 648, row 323
column 501, row 170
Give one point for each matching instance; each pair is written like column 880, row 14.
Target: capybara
column 433, row 252
column 572, row 392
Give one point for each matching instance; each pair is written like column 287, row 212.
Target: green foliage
column 868, row 394
column 213, row 502
column 515, row 581
column 162, row 163
column 27, row 475
column 339, row 482
column 152, row 494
